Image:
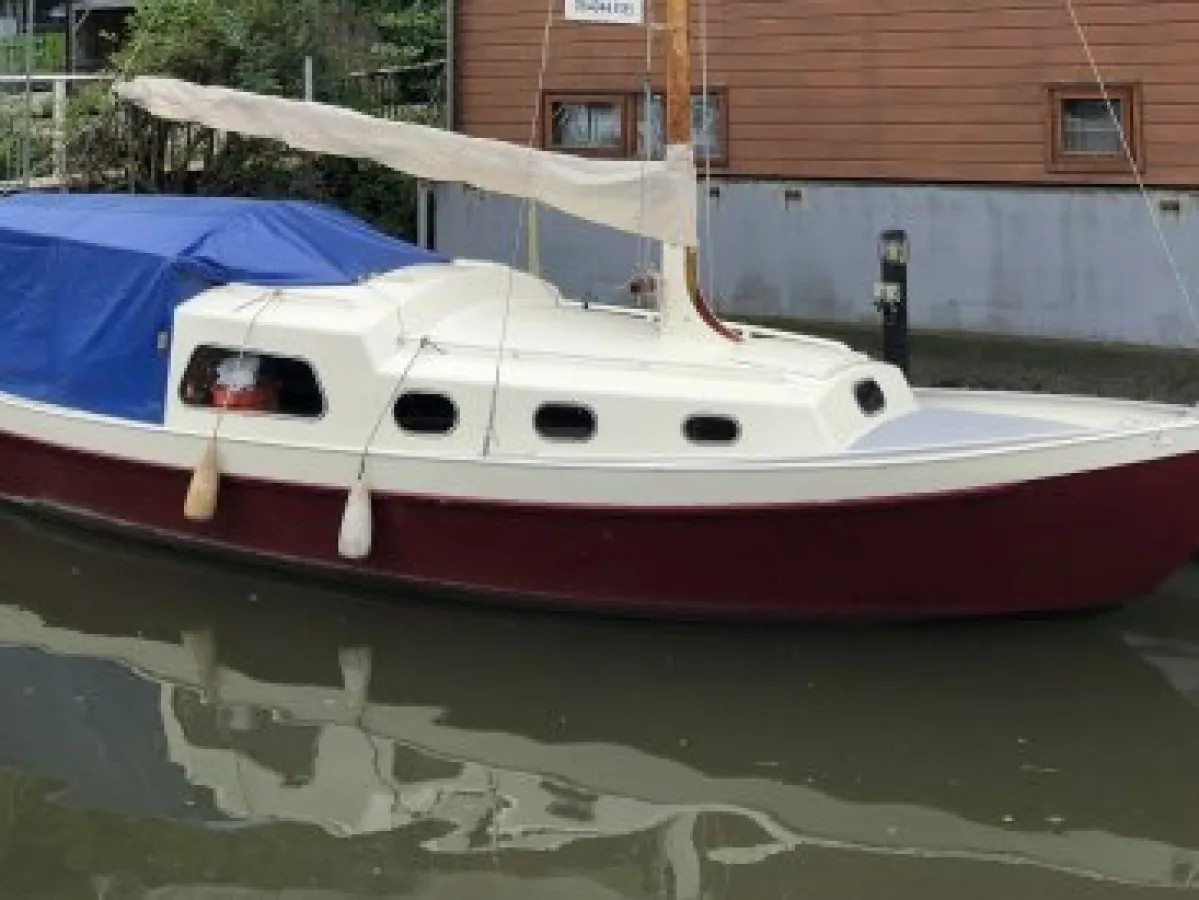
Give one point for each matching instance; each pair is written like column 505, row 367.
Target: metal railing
column 34, row 129
column 47, row 53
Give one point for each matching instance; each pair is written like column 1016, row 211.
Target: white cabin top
column 575, row 381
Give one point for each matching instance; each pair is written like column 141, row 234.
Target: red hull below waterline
column 1054, row 545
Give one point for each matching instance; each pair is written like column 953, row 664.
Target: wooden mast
column 678, row 132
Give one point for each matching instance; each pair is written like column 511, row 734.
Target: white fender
column 354, row 541
column 200, row 504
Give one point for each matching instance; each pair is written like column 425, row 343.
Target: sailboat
column 279, row 380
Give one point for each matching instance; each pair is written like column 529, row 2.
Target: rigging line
column 1183, row 288
column 644, row 244
column 392, row 397
column 709, row 253
column 523, row 211
column 269, row 299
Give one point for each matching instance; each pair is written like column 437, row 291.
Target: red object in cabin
column 260, row 397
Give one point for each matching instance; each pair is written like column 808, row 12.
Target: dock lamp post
column 891, row 296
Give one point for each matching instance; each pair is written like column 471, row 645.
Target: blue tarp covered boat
column 90, row 282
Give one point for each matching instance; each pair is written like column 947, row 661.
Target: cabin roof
column 321, row 309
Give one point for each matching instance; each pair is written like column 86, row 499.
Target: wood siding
column 926, row 90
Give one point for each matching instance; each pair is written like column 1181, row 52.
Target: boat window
column 425, row 412
column 870, row 397
column 564, row 422
column 251, row 381
column 711, row 429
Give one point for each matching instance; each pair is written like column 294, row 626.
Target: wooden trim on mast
column 678, row 131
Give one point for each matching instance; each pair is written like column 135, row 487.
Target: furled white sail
column 656, row 199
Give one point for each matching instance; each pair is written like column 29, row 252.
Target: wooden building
column 978, row 125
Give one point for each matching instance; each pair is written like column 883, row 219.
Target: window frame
column 619, row 99
column 1060, row 160
column 251, row 351
column 721, row 160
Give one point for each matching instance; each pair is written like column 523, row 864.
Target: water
column 171, row 730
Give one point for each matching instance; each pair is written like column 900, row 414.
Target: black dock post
column 891, row 296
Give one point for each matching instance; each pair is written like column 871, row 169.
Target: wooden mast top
column 678, row 130
column 678, row 72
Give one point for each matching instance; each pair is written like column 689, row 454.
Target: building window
column 709, row 126
column 589, row 124
column 564, row 422
column 1085, row 132
column 251, row 381
column 422, row 412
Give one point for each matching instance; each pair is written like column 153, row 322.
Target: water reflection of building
column 689, row 760
column 347, row 781
column 93, row 727
column 194, row 741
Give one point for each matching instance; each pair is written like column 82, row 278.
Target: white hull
column 1102, row 433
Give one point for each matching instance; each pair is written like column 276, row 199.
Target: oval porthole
column 711, row 429
column 564, row 422
column 870, row 397
column 424, row 412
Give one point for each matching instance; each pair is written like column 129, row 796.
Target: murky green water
column 172, row 731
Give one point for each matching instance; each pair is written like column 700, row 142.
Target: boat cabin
column 293, row 324
column 407, row 362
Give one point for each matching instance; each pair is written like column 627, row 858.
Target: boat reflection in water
column 175, row 731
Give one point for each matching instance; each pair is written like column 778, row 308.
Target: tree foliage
column 256, row 45
column 412, row 35
column 261, row 45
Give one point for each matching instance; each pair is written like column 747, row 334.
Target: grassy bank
column 956, row 359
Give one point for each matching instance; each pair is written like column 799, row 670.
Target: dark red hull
column 1068, row 543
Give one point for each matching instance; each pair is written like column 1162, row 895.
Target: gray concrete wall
column 1073, row 263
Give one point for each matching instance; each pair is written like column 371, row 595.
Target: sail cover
column 91, row 282
column 656, row 199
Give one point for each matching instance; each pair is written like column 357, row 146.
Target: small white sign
column 617, row 12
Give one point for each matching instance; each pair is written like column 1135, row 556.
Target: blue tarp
column 88, row 281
